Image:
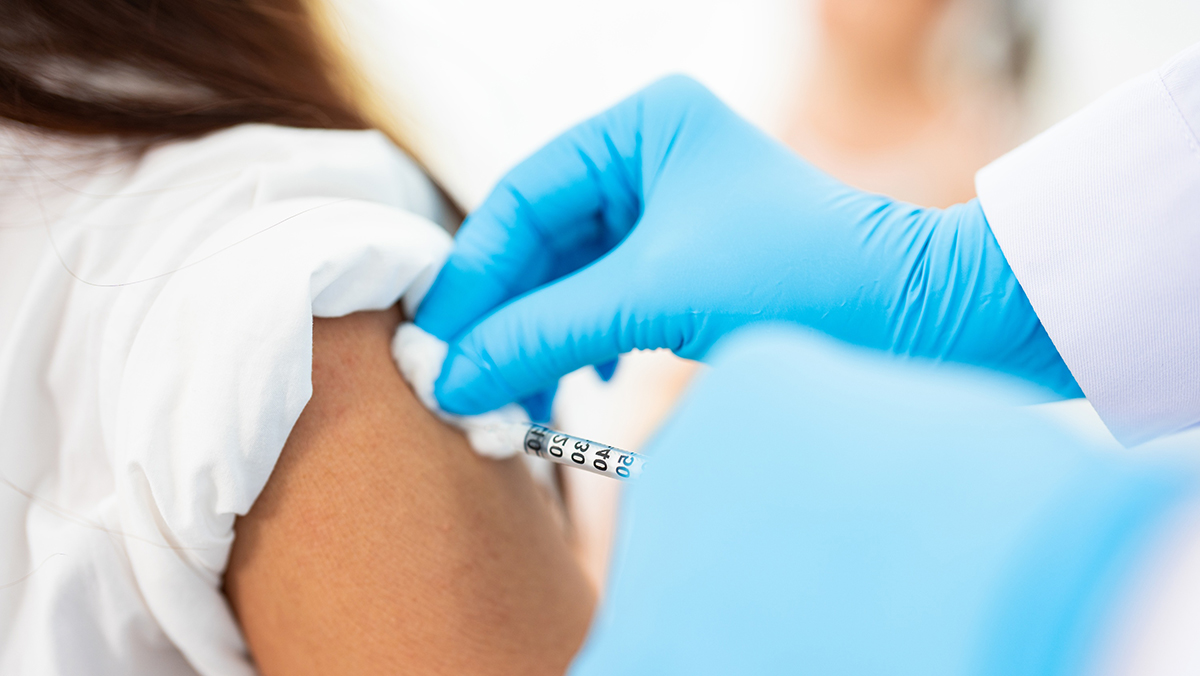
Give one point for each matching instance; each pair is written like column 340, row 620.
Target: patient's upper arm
column 382, row 544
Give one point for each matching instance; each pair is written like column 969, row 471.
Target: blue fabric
column 815, row 508
column 668, row 221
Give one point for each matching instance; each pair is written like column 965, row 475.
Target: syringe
column 569, row 450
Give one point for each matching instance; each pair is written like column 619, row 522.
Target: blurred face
column 879, row 27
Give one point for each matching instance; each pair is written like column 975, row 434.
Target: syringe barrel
column 582, row 453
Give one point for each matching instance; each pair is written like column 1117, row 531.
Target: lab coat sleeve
column 1099, row 218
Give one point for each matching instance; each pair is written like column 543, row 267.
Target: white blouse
column 155, row 351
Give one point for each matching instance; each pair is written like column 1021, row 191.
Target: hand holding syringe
column 419, row 356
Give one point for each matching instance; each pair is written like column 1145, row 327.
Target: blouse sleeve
column 211, row 365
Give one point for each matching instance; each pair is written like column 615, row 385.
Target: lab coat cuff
column 1097, row 218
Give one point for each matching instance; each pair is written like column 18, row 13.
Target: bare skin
column 382, row 544
column 870, row 79
column 881, row 110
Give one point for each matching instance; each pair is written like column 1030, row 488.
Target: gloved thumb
column 525, row 346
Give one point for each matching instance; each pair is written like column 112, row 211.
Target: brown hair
column 168, row 68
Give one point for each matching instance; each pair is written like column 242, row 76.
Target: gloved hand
column 668, row 221
column 813, row 508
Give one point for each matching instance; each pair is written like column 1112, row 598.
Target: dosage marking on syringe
column 535, row 439
column 543, row 442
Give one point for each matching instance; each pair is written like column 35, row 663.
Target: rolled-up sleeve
column 1099, row 218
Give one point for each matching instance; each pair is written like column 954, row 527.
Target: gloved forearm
column 668, row 221
column 958, row 299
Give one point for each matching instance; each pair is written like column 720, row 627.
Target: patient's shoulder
column 165, row 325
column 382, row 543
column 226, row 252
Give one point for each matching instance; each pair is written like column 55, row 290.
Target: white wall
column 1090, row 46
column 483, row 83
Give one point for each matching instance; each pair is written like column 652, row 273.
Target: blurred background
column 904, row 97
column 908, row 97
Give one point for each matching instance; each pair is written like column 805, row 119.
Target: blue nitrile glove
column 814, row 508
column 668, row 221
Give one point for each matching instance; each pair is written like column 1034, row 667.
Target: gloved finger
column 540, row 405
column 606, row 370
column 558, row 210
column 533, row 341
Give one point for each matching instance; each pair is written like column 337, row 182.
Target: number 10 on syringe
column 576, row 452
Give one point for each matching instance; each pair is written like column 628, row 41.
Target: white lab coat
column 1099, row 218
